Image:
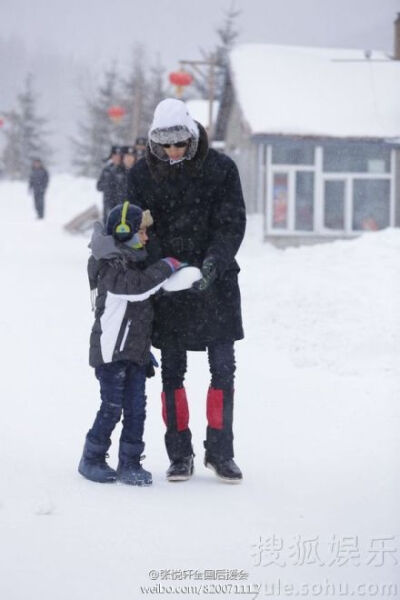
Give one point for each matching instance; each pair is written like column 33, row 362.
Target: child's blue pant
column 122, row 391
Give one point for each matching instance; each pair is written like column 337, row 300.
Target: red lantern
column 116, row 113
column 1, row 122
column 180, row 79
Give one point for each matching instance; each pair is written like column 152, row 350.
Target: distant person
column 120, row 341
column 128, row 161
column 128, row 156
column 140, row 147
column 112, row 181
column 38, row 182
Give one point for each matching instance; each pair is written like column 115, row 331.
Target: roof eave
column 257, row 137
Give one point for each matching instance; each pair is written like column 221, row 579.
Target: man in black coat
column 112, row 182
column 195, row 196
column 38, row 182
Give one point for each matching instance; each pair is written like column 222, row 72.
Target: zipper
column 123, row 342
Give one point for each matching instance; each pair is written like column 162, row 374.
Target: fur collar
column 161, row 171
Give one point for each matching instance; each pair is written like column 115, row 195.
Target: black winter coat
column 113, row 183
column 38, row 180
column 124, row 311
column 198, row 212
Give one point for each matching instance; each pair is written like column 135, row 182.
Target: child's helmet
column 123, row 221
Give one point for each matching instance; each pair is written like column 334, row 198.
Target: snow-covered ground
column 317, row 428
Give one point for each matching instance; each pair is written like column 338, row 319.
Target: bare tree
column 137, row 94
column 98, row 132
column 157, row 91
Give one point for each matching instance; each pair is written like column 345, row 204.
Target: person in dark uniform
column 128, row 162
column 140, row 146
column 112, row 181
column 129, row 156
column 38, row 182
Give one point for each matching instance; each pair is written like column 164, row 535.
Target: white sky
column 101, row 30
column 42, row 36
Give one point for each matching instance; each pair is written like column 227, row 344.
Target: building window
column 356, row 195
column 356, row 157
column 280, row 197
column 304, row 211
column 293, row 153
column 371, row 204
column 334, row 203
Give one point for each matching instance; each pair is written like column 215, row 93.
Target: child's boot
column 129, row 469
column 93, row 463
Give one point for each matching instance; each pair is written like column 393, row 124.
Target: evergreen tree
column 25, row 135
column 227, row 36
column 99, row 132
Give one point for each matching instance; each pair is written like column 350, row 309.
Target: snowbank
column 317, row 420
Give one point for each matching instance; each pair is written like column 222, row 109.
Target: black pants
column 178, row 436
column 39, row 204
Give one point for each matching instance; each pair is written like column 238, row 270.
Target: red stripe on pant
column 164, row 408
column 215, row 408
column 181, row 409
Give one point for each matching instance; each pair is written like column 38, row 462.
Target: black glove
column 150, row 370
column 151, row 366
column 209, row 272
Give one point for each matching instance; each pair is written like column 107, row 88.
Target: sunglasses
column 177, row 145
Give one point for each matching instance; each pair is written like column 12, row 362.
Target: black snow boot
column 93, row 463
column 129, row 469
column 225, row 468
column 175, row 411
column 180, row 469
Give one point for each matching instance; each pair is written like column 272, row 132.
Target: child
column 120, row 341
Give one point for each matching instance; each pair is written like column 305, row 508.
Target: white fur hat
column 172, row 123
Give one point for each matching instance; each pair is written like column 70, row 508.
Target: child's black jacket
column 124, row 313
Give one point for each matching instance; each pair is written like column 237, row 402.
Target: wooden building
column 316, row 136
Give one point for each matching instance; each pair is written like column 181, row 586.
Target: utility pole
column 137, row 111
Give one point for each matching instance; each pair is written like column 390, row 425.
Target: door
column 280, row 199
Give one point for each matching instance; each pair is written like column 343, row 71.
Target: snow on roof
column 199, row 111
column 317, row 91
